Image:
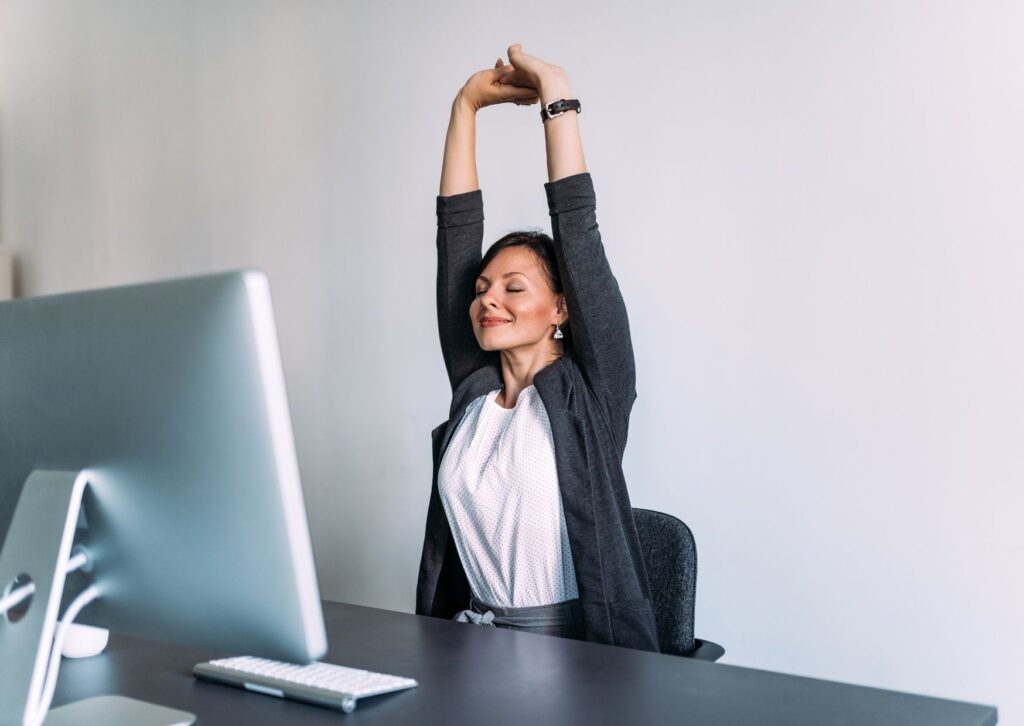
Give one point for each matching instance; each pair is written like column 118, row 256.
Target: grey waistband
column 540, row 616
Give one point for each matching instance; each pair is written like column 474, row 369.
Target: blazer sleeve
column 598, row 323
column 460, row 231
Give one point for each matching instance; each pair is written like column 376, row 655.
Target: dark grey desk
column 475, row 675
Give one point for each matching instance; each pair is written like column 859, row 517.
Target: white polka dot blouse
column 499, row 487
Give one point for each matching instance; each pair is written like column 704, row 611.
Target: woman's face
column 514, row 305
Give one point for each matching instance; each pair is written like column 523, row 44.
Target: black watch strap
column 557, row 108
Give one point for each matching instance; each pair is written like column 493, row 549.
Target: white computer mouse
column 83, row 641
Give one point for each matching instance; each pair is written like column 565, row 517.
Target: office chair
column 670, row 555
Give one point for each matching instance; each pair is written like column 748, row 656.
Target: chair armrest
column 706, row 650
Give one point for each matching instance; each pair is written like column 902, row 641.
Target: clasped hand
column 522, row 81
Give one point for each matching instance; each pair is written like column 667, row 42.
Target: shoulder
column 564, row 385
column 569, row 391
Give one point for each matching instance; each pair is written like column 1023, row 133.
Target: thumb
column 518, row 58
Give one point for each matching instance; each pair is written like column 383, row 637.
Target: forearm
column 458, row 171
column 562, row 135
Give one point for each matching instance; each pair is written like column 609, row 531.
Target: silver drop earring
column 558, row 331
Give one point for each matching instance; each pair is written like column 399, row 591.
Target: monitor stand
column 37, row 551
column 117, row 711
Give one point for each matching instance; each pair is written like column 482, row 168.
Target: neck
column 520, row 365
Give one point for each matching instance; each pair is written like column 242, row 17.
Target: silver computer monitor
column 169, row 399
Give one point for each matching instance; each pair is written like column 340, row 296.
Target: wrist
column 554, row 89
column 464, row 106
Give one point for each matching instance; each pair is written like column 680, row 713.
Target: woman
column 529, row 524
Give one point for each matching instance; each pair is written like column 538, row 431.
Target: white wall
column 814, row 211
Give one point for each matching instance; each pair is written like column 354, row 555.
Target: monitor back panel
column 171, row 395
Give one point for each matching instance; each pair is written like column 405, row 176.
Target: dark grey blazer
column 588, row 394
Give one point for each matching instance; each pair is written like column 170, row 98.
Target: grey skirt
column 563, row 619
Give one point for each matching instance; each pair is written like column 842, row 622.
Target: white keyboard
column 323, row 684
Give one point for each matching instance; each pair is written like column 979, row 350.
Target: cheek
column 528, row 308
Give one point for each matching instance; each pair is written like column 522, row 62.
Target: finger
column 513, row 79
column 519, row 94
column 499, row 64
column 516, row 78
column 511, row 89
column 522, row 92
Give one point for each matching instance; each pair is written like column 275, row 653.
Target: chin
column 482, row 341
column 488, row 346
column 491, row 343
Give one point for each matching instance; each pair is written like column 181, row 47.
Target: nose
column 489, row 300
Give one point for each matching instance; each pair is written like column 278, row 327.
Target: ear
column 563, row 307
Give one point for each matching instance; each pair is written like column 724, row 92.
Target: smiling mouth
column 492, row 322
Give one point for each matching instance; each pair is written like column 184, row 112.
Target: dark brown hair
column 537, row 242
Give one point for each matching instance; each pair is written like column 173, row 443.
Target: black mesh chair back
column 670, row 555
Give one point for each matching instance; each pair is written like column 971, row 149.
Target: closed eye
column 478, row 293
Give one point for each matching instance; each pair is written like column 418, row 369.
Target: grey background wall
column 814, row 211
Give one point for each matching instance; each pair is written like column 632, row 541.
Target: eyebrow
column 507, row 274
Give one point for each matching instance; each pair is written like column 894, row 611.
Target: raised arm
column 460, row 217
column 484, row 88
column 597, row 313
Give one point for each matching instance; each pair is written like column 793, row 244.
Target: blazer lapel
column 481, row 381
